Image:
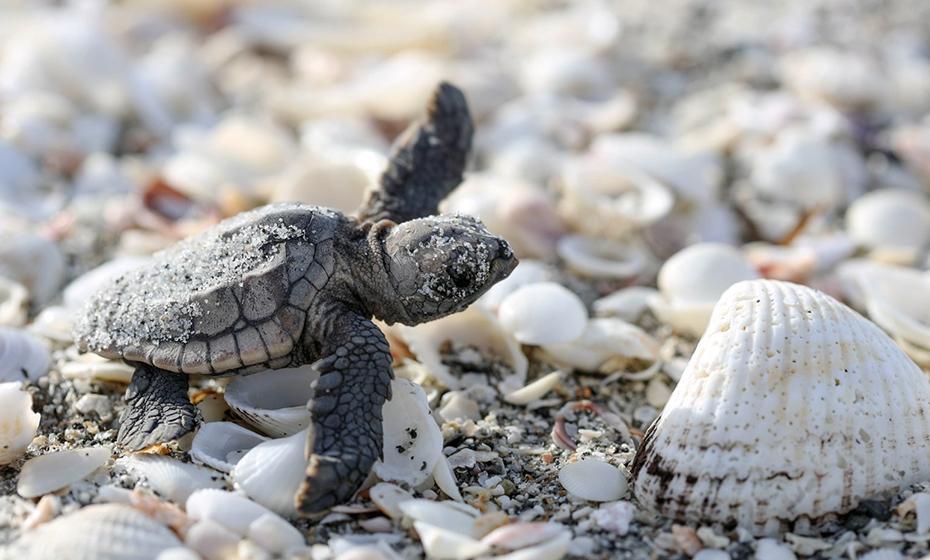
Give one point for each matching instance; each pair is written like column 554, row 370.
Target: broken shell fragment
column 170, row 478
column 604, row 339
column 14, row 303
column 271, row 472
column 792, row 399
column 388, row 497
column 22, row 356
column 601, row 257
column 412, row 439
column 594, row 480
column 442, row 543
column 535, row 390
column 273, row 401
column 59, row 469
column 18, row 423
column 223, row 444
column 543, row 313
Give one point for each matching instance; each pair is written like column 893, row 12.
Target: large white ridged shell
column 893, row 222
column 274, row 401
column 170, row 478
column 472, row 327
column 18, row 423
column 543, row 313
column 412, row 439
column 14, row 303
column 271, row 472
column 59, row 469
column 792, row 405
column 223, row 444
column 98, row 532
column 693, row 279
column 22, row 356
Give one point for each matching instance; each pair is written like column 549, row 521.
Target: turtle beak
column 504, row 261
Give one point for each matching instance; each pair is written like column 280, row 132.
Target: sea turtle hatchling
column 291, row 284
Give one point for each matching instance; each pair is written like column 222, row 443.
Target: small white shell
column 770, row 549
column 54, row 323
column 527, row 272
column 271, row 472
column 331, row 184
column 388, row 497
column 442, row 543
column 451, row 516
column 22, row 356
column 57, row 470
column 232, row 511
column 693, row 279
column 553, row 549
column 14, row 303
column 472, row 327
column 628, row 303
column 170, row 478
column 18, row 423
column 521, row 535
column 274, row 534
column 223, row 444
column 603, row 340
column 890, row 221
column 33, row 261
column 543, row 313
column 412, row 439
column 94, row 367
column 602, row 257
column 615, row 517
column 445, row 479
column 102, row 532
column 212, row 540
column 535, row 390
column 594, row 480
column 273, row 401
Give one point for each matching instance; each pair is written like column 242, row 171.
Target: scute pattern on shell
column 232, row 297
column 792, row 405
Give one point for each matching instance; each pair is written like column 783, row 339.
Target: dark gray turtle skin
column 292, row 284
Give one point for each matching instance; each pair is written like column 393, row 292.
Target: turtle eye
column 460, row 276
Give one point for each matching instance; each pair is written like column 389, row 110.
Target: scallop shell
column 807, row 407
column 602, row 258
column 693, row 279
column 892, row 222
column 223, row 444
column 33, row 261
column 14, row 303
column 602, row 197
column 236, row 513
column 18, row 423
column 273, row 401
column 22, row 356
column 603, row 340
column 170, row 478
column 101, row 532
column 59, row 469
column 472, row 327
column 543, row 313
column 594, row 480
column 271, row 472
column 412, row 439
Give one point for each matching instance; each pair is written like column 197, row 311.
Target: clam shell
column 693, row 279
column 22, row 356
column 439, row 542
column 412, row 439
column 472, row 327
column 101, row 532
column 809, row 408
column 18, row 423
column 594, row 480
column 14, row 303
column 59, row 469
column 170, row 478
column 543, row 313
column 602, row 258
column 273, row 401
column 604, row 339
column 223, row 444
column 271, row 472
column 236, row 513
column 890, row 221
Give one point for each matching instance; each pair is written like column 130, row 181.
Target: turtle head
column 440, row 265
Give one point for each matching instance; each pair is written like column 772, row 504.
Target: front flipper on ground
column 159, row 410
column 346, row 435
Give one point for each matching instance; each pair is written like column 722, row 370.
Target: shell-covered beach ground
column 653, row 164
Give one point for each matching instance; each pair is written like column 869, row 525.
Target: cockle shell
column 602, row 257
column 274, row 401
column 59, row 469
column 472, row 327
column 412, row 439
column 170, row 478
column 18, row 423
column 691, row 281
column 892, row 222
column 792, row 405
column 223, row 444
column 593, row 479
column 98, row 532
column 14, row 303
column 22, row 356
column 271, row 472
column 543, row 313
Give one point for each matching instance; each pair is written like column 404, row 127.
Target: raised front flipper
column 159, row 410
column 346, row 436
column 427, row 162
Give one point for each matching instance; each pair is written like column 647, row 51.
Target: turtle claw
column 159, row 410
column 330, row 482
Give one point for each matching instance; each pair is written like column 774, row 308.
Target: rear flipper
column 346, row 436
column 159, row 410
